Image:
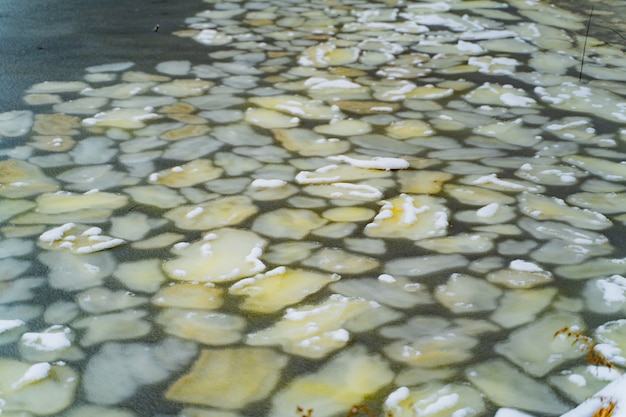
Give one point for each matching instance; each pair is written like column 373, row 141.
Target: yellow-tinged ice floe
column 102, row 300
column 83, row 105
column 434, row 400
column 299, row 106
column 270, row 119
column 288, row 223
column 608, row 170
column 522, row 306
column 183, row 88
column 535, row 348
column 129, row 118
column 377, row 162
column 211, row 37
column 366, row 107
column 9, row 208
column 401, row 72
column 395, row 292
column 492, row 181
column 461, row 243
column 22, row 179
column 187, row 131
column 606, row 203
column 156, row 195
column 346, row 380
column 520, row 274
column 290, row 252
column 41, row 99
column 492, row 213
column 207, row 327
column 348, row 214
column 56, row 124
column 552, row 208
column 505, row 385
column 409, row 128
column 330, row 89
column 500, row 95
column 191, row 173
column 333, row 173
column 345, row 191
column 144, row 275
column 328, row 55
column 229, row 378
column 345, row 127
column 118, row 91
column 314, row 331
column 224, row 255
column 78, row 239
column 71, row 272
column 278, row 288
column 40, row 388
column 583, row 99
column 125, row 325
column 63, row 202
column 477, row 196
column 189, row 295
column 340, row 261
column 58, row 87
column 512, row 132
column 410, row 216
column 308, row 143
column 54, row 143
column 221, row 212
column 423, row 181
column 463, row 293
column 587, row 386
column 143, row 77
column 91, row 216
column 399, row 90
column 550, row 174
column 51, row 344
column 494, row 65
column 433, row 350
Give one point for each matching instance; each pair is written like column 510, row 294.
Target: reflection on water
column 410, row 207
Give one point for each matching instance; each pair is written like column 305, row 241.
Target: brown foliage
column 594, row 357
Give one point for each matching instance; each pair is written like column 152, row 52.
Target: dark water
column 54, row 40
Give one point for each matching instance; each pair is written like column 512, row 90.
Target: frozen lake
column 272, row 208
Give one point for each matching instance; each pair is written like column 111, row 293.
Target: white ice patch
column 359, row 190
column 488, row 34
column 613, row 289
column 383, row 163
column 386, row 278
column 46, row 341
column 493, row 179
column 395, row 398
column 577, row 380
column 56, row 233
column 6, row 325
column 442, row 403
column 318, row 83
column 488, row 211
column 35, row 373
column 194, row 213
column 268, row 183
column 603, row 373
column 525, row 266
column 514, row 100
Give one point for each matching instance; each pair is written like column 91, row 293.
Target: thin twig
column 618, row 34
column 582, row 61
